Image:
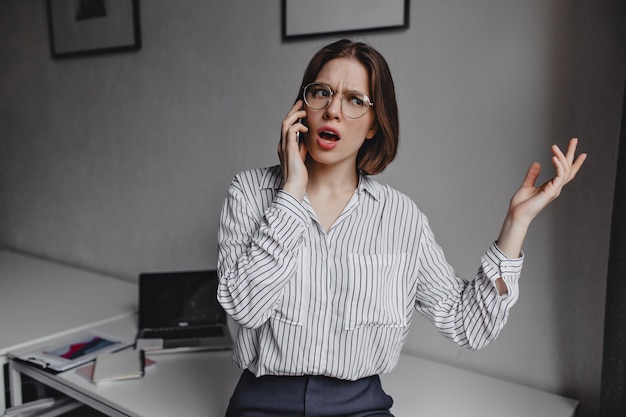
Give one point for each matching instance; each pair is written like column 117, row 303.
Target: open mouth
column 328, row 135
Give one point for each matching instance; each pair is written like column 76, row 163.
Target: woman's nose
column 334, row 107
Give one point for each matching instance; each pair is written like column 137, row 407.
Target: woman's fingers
column 292, row 152
column 291, row 121
column 531, row 175
column 568, row 165
column 535, row 197
column 290, row 127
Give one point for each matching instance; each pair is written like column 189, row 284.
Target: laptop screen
column 175, row 299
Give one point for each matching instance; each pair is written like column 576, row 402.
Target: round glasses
column 354, row 104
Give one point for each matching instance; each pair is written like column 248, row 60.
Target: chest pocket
column 375, row 291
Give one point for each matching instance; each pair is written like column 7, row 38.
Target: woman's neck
column 331, row 177
column 329, row 190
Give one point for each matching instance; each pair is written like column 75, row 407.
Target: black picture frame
column 87, row 27
column 308, row 18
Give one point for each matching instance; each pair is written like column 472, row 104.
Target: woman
column 322, row 267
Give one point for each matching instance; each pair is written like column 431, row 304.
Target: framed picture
column 81, row 27
column 304, row 18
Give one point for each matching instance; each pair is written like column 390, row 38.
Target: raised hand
column 292, row 152
column 530, row 200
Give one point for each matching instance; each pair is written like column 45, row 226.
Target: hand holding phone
column 292, row 153
column 298, row 133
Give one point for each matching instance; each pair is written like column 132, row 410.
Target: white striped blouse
column 340, row 303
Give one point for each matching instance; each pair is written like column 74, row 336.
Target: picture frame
column 84, row 27
column 306, row 18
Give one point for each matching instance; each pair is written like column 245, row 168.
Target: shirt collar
column 273, row 178
column 366, row 184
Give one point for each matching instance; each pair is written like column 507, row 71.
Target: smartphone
column 298, row 136
column 298, row 133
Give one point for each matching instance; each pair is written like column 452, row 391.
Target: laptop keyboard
column 185, row 332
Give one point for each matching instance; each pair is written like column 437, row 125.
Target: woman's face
column 334, row 138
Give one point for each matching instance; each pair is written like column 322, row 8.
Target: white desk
column 424, row 388
column 200, row 385
column 41, row 300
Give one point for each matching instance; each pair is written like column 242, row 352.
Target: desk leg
column 3, row 402
column 15, row 385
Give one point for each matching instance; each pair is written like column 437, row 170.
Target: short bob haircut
column 378, row 152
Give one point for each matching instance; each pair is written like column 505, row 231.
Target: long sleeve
column 471, row 314
column 257, row 252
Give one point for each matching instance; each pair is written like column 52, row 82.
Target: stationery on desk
column 118, row 366
column 71, row 352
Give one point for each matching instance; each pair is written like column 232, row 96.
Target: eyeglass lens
column 353, row 103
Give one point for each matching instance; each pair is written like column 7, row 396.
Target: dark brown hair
column 378, row 152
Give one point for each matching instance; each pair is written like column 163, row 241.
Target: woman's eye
column 321, row 92
column 355, row 100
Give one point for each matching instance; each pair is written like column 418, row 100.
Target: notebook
column 118, row 366
column 179, row 311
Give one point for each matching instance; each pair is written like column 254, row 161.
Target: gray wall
column 119, row 163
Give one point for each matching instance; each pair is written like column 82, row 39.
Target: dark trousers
column 308, row 396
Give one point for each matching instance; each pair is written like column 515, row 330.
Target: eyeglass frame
column 330, row 99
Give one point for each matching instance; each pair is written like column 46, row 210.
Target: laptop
column 179, row 311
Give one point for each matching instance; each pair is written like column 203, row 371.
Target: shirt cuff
column 496, row 264
column 286, row 201
column 288, row 218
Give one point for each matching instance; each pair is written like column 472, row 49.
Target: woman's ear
column 373, row 129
